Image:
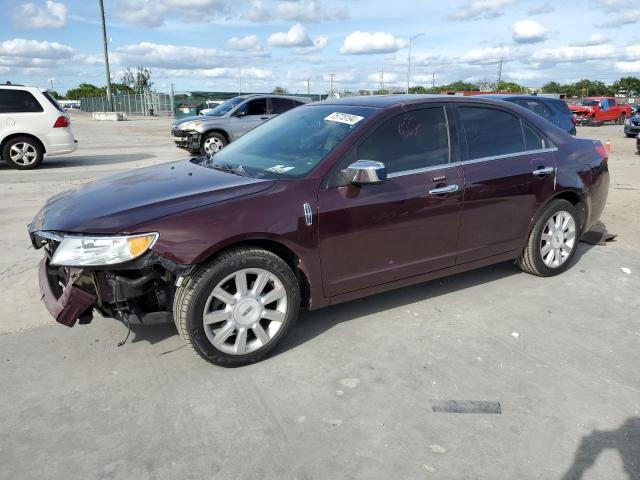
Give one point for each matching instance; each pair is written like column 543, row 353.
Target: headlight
column 78, row 251
column 190, row 125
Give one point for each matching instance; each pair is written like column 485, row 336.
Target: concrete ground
column 349, row 394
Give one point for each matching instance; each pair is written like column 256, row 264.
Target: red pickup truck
column 597, row 110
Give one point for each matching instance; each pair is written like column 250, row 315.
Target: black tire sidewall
column 550, row 210
column 36, row 145
column 217, row 135
column 203, row 288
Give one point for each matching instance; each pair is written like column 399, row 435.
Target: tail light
column 601, row 150
column 62, row 122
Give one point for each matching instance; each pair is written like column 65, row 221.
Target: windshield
column 588, row 103
column 225, row 107
column 292, row 144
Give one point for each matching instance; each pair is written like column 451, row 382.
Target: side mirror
column 363, row 172
column 240, row 113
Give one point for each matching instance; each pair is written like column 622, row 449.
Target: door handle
column 264, row 118
column 441, row 190
column 543, row 171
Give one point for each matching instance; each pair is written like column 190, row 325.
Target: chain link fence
column 146, row 104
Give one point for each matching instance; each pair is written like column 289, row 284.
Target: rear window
column 562, row 106
column 18, row 101
column 281, row 105
column 491, row 133
column 53, row 101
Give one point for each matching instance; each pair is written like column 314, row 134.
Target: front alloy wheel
column 236, row 308
column 213, row 143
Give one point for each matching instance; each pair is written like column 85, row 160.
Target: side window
column 257, row 107
column 604, row 104
column 281, row 105
column 532, row 140
column 412, row 140
column 18, row 101
column 491, row 132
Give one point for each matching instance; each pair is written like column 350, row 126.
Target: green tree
column 585, row 88
column 381, row 91
column 55, row 94
column 364, row 92
column 627, row 85
column 509, row 87
column 279, row 91
column 86, row 90
column 418, row 89
column 459, row 86
column 553, row 87
column 138, row 82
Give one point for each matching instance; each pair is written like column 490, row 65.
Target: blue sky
column 216, row 44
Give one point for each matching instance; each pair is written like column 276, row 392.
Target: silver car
column 207, row 134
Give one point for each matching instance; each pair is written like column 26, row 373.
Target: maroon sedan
column 329, row 202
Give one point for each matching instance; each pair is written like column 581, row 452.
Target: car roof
column 274, row 95
column 386, row 101
column 505, row 96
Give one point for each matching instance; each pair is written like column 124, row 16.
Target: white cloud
column 297, row 36
column 542, row 9
column 358, row 42
column 629, row 17
column 595, row 39
column 218, row 72
column 488, row 55
column 19, row 47
column 612, row 5
column 388, row 77
column 249, row 44
column 528, row 31
column 307, row 11
column 152, row 13
column 480, row 9
column 628, row 67
column 567, row 54
column 318, row 44
column 166, row 56
column 30, row 16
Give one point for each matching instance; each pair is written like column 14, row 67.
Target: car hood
column 199, row 118
column 580, row 109
column 118, row 203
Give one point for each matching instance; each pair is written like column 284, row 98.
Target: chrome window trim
column 425, row 169
column 467, row 162
column 511, row 155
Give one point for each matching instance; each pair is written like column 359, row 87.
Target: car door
column 249, row 116
column 405, row 226
column 508, row 170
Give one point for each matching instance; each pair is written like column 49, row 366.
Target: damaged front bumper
column 187, row 139
column 133, row 292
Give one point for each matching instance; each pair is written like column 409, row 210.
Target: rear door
column 509, row 170
column 406, row 226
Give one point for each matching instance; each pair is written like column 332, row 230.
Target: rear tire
column 551, row 244
column 234, row 310
column 23, row 153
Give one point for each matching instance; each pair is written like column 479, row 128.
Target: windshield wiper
column 227, row 168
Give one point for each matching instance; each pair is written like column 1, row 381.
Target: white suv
column 32, row 124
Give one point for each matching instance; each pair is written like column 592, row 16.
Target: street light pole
column 106, row 58
column 409, row 62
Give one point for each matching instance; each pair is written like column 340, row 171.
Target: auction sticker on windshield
column 347, row 118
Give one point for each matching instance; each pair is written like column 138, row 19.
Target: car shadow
column 626, row 440
column 87, row 160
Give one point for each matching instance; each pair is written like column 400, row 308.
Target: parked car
column 326, row 203
column 632, row 126
column 208, row 134
column 32, row 125
column 554, row 110
column 597, row 110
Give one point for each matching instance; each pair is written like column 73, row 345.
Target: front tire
column 212, row 143
column 553, row 240
column 23, row 153
column 234, row 310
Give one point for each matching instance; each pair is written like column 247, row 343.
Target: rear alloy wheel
column 621, row 119
column 23, row 153
column 552, row 242
column 213, row 143
column 236, row 309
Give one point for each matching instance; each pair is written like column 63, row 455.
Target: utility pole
column 51, row 81
column 409, row 59
column 308, row 87
column 331, row 75
column 106, row 58
column 433, row 80
column 499, row 73
column 382, row 79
